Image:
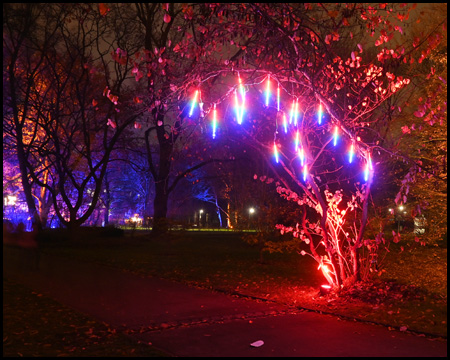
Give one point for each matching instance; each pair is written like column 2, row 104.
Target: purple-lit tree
column 130, row 184
column 65, row 108
column 16, row 106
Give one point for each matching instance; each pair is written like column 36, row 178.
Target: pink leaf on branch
column 111, row 123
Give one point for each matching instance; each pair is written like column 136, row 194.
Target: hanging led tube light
column 305, row 172
column 237, row 106
column 278, row 97
column 200, row 104
column 291, row 114
column 285, row 125
column 268, row 90
column 194, row 102
column 214, row 122
column 336, row 135
column 240, row 108
column 320, row 114
column 368, row 169
column 366, row 172
column 301, row 155
column 275, row 151
column 351, row 153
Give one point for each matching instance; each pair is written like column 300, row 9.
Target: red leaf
column 406, row 130
column 111, row 123
column 138, row 75
column 103, row 8
column 333, row 14
column 167, row 18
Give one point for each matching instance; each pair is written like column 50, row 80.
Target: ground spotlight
column 325, row 289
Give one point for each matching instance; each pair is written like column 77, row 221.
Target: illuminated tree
column 15, row 32
column 339, row 91
column 66, row 113
column 335, row 66
column 130, row 184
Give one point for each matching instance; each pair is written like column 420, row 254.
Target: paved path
column 186, row 321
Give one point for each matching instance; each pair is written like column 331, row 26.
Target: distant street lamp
column 250, row 212
column 200, row 217
column 401, row 207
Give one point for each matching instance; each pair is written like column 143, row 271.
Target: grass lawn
column 34, row 325
column 411, row 293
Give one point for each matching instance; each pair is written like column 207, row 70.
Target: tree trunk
column 358, row 243
column 106, row 216
column 356, row 263
column 160, row 225
column 44, row 210
column 229, row 226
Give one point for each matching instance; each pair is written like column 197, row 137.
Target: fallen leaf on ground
column 257, row 343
